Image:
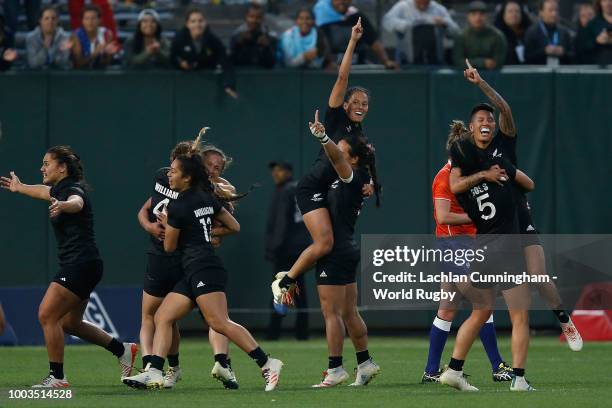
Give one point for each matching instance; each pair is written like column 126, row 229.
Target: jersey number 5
column 206, row 223
column 482, row 205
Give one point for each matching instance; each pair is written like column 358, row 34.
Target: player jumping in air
column 80, row 266
column 354, row 162
column 503, row 144
column 346, row 111
column 492, row 206
column 454, row 229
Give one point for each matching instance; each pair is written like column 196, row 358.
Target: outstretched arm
column 336, row 98
column 506, row 122
column 72, row 205
column 13, row 184
column 342, row 167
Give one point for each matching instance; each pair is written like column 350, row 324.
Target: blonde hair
column 457, row 131
column 208, row 149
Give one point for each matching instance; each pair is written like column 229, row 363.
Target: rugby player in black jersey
column 503, row 145
column 164, row 270
column 347, row 108
column 354, row 163
column 188, row 229
column 491, row 206
column 80, row 266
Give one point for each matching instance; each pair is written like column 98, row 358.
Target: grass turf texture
column 561, row 377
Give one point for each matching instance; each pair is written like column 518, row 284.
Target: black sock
column 145, row 360
column 334, row 362
column 362, row 356
column 56, row 370
column 229, row 363
column 173, row 360
column 286, row 282
column 116, row 347
column 456, row 365
column 157, row 362
column 259, row 356
column 518, row 372
column 222, row 359
column 561, row 315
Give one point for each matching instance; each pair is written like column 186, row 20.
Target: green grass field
column 562, row 378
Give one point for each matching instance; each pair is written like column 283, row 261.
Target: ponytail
column 366, row 152
column 65, row 155
column 370, row 163
column 457, row 131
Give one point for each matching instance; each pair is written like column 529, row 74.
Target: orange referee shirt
column 440, row 190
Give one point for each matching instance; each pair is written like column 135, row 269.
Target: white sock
column 443, row 325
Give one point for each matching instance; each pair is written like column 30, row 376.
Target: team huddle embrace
column 478, row 194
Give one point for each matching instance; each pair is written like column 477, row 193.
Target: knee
column 45, row 316
column 324, row 244
column 148, row 319
column 331, row 312
column 445, row 314
column 216, row 322
column 70, row 326
column 520, row 318
column 481, row 316
column 162, row 319
column 350, row 314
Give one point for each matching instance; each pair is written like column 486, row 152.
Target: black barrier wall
column 124, row 124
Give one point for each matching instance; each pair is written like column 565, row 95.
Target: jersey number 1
column 482, row 205
column 206, row 223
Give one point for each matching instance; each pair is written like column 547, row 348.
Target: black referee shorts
column 201, row 280
column 163, row 272
column 338, row 268
column 81, row 279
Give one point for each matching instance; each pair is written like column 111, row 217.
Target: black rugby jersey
column 76, row 241
column 491, row 207
column 344, row 202
column 337, row 126
column 503, row 146
column 161, row 196
column 193, row 213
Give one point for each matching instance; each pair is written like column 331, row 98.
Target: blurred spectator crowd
column 84, row 34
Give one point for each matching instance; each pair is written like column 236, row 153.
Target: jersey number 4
column 483, row 205
column 206, row 223
column 161, row 206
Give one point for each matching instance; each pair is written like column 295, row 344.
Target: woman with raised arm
column 354, row 164
column 347, row 108
column 188, row 229
column 80, row 267
column 487, row 194
column 503, row 145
